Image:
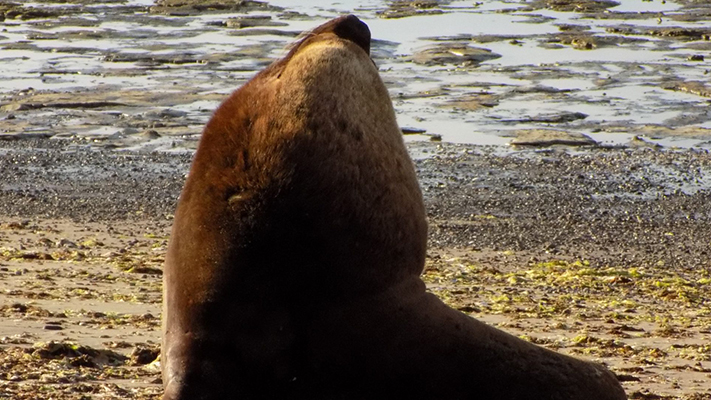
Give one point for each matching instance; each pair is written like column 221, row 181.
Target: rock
column 550, row 137
column 694, row 87
column 53, row 326
column 556, row 118
column 412, row 131
column 453, row 53
column 474, row 101
column 150, row 134
column 640, row 142
column 197, row 7
column 585, row 6
column 250, row 21
column 408, row 8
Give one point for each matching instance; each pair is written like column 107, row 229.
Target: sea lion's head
column 309, row 167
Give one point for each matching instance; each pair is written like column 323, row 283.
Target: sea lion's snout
column 348, row 27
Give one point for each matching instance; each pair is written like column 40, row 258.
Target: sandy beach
column 562, row 149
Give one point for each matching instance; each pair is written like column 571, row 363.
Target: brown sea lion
column 294, row 262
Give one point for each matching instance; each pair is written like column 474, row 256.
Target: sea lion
column 294, row 261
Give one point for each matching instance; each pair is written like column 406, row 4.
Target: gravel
column 610, row 206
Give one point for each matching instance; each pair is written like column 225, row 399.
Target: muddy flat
column 145, row 74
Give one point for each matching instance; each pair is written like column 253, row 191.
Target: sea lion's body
column 294, row 262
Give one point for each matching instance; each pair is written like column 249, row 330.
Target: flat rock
column 197, row 7
column 409, row 8
column 453, row 53
column 693, row 87
column 251, row 21
column 550, row 137
column 556, row 118
column 576, row 5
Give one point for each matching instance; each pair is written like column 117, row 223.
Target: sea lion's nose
column 349, row 27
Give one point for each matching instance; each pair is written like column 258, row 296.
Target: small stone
column 53, row 326
column 406, row 130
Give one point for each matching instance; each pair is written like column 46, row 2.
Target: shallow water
column 613, row 65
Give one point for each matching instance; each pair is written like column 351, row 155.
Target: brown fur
column 294, row 262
